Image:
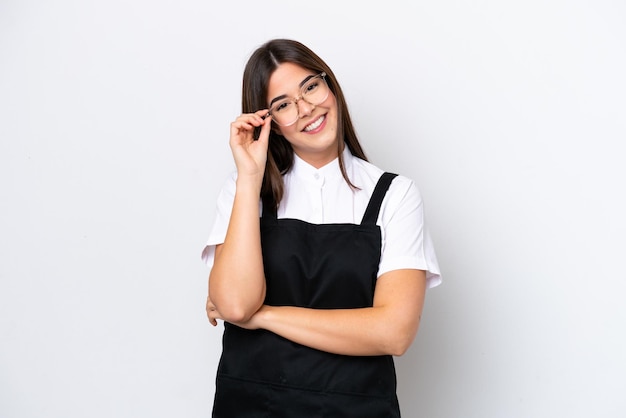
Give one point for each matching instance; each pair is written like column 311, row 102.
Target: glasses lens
column 314, row 92
column 285, row 112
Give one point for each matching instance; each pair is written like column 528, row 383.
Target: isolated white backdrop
column 113, row 145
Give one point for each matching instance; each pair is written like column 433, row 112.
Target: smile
column 315, row 124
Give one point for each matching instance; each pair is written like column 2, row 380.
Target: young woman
column 319, row 260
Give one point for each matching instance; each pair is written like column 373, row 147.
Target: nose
column 304, row 108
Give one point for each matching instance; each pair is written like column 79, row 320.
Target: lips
column 316, row 124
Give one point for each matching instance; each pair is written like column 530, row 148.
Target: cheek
column 283, row 131
column 330, row 101
column 331, row 104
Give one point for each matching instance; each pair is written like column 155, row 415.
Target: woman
column 319, row 260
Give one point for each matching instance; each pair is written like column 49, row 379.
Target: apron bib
column 327, row 266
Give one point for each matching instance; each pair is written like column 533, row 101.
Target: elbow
column 233, row 306
column 400, row 347
column 399, row 341
column 237, row 313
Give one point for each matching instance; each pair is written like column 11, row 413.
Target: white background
column 510, row 116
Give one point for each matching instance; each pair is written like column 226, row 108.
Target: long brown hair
column 262, row 63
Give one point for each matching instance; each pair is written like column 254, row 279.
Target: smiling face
column 314, row 135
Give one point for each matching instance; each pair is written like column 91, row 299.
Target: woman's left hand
column 211, row 312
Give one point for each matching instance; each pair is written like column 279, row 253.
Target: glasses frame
column 296, row 99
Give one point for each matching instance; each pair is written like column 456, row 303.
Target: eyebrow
column 284, row 96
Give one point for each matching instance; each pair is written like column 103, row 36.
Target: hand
column 250, row 155
column 212, row 312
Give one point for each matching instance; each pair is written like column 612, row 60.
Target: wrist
column 249, row 186
column 250, row 182
column 263, row 316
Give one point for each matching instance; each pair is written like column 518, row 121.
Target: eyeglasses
column 314, row 91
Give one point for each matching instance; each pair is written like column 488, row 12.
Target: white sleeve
column 406, row 243
column 224, row 208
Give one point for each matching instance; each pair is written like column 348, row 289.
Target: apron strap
column 373, row 207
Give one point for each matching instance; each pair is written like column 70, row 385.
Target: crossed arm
column 237, row 291
column 388, row 327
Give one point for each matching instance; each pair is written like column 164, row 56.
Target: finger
column 265, row 129
column 238, row 126
column 211, row 314
column 255, row 119
column 209, row 307
column 262, row 113
column 214, row 315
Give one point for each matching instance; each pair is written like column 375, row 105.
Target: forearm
column 389, row 327
column 357, row 332
column 237, row 282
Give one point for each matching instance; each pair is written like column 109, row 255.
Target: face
column 314, row 134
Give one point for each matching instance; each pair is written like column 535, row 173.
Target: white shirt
column 322, row 196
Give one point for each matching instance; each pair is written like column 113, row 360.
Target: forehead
column 286, row 79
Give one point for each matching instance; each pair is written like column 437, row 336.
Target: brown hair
column 262, row 63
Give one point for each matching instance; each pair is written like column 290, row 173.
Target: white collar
column 330, row 171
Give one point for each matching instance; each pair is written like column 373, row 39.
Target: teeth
column 315, row 124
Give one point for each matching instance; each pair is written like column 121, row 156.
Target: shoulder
column 367, row 175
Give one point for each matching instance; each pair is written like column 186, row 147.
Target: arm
column 389, row 327
column 236, row 281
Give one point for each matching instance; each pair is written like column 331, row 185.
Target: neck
column 317, row 159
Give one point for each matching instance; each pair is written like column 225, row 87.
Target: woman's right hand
column 250, row 155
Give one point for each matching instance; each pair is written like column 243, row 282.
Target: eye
column 311, row 87
column 282, row 106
